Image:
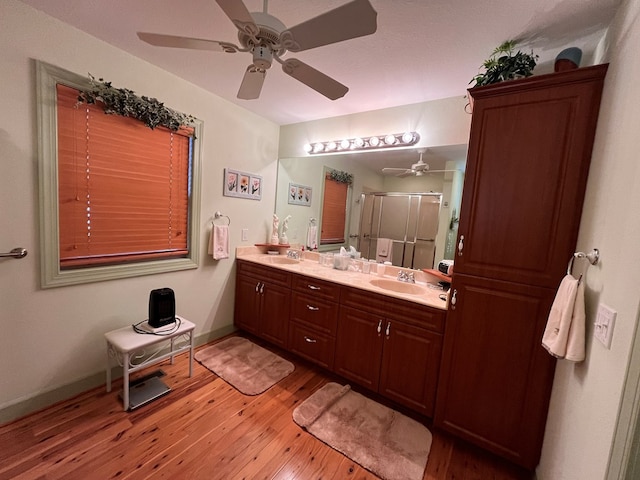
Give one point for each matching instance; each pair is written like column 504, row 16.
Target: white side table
column 123, row 343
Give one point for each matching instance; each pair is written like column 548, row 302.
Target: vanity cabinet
column 529, row 153
column 314, row 319
column 390, row 346
column 262, row 303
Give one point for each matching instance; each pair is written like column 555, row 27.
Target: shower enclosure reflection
column 400, row 228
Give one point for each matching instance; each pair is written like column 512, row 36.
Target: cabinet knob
column 312, row 308
column 309, row 339
column 379, row 326
column 388, row 330
column 261, row 287
column 460, row 245
column 257, row 287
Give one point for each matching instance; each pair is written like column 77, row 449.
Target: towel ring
column 593, row 256
column 218, row 215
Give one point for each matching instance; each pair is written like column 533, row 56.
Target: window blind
column 334, row 208
column 123, row 189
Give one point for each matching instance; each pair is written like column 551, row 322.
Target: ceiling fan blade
column 160, row 40
column 352, row 20
column 315, row 79
column 239, row 15
column 251, row 85
column 393, row 170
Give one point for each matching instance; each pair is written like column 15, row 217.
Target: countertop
column 429, row 291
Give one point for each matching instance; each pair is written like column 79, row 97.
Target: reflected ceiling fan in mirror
column 417, row 169
column 268, row 39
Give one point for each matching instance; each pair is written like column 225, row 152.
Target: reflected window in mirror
column 334, row 211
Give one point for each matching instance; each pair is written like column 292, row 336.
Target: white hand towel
column 564, row 334
column 219, row 242
column 312, row 237
column 384, row 249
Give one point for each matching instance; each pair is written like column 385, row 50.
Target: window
column 334, row 212
column 117, row 198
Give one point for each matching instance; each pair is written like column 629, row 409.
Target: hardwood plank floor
column 205, row 429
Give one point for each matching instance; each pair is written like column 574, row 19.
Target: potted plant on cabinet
column 504, row 64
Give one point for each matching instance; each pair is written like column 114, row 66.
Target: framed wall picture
column 242, row 185
column 299, row 195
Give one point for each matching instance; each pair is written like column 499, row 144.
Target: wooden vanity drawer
column 319, row 288
column 416, row 314
column 363, row 300
column 310, row 344
column 317, row 313
column 265, row 274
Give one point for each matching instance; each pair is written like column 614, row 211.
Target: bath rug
column 384, row 441
column 248, row 367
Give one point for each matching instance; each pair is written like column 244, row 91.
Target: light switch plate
column 245, row 234
column 605, row 321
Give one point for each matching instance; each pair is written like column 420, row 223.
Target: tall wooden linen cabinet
column 528, row 162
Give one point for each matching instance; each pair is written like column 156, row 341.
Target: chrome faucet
column 407, row 277
column 295, row 254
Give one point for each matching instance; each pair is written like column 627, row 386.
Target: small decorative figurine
column 274, row 230
column 285, row 226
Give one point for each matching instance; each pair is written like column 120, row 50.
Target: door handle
column 460, row 245
column 454, row 299
column 17, row 252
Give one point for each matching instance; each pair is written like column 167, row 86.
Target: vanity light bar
column 364, row 143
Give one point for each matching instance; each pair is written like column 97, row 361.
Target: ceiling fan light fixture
column 365, row 143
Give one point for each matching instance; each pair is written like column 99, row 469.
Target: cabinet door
column 274, row 314
column 247, row 303
column 410, row 366
column 359, row 347
column 529, row 153
column 496, row 378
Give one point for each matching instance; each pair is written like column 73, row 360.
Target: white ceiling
column 422, row 50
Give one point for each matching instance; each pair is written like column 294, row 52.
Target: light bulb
column 344, row 144
column 318, row 147
column 307, row 147
column 331, row 146
column 407, row 137
column 374, row 141
column 358, row 142
column 390, row 139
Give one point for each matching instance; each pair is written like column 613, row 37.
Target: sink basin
column 396, row 286
column 278, row 260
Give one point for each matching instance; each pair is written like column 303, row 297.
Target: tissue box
column 341, row 262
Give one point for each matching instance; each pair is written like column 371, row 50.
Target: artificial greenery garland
column 341, row 177
column 122, row 101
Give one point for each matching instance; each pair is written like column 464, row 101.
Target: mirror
column 308, row 173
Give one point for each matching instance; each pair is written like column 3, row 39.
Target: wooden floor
column 204, row 429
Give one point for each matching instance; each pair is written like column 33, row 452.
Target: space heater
column 162, row 307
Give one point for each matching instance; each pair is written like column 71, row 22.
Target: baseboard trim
column 39, row 401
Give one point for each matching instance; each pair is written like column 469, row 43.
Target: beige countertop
column 425, row 291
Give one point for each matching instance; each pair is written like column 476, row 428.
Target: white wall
column 586, row 397
column 50, row 338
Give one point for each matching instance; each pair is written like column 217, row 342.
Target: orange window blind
column 334, row 208
column 123, row 189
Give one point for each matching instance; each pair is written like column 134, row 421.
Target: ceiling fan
column 417, row 169
column 267, row 38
